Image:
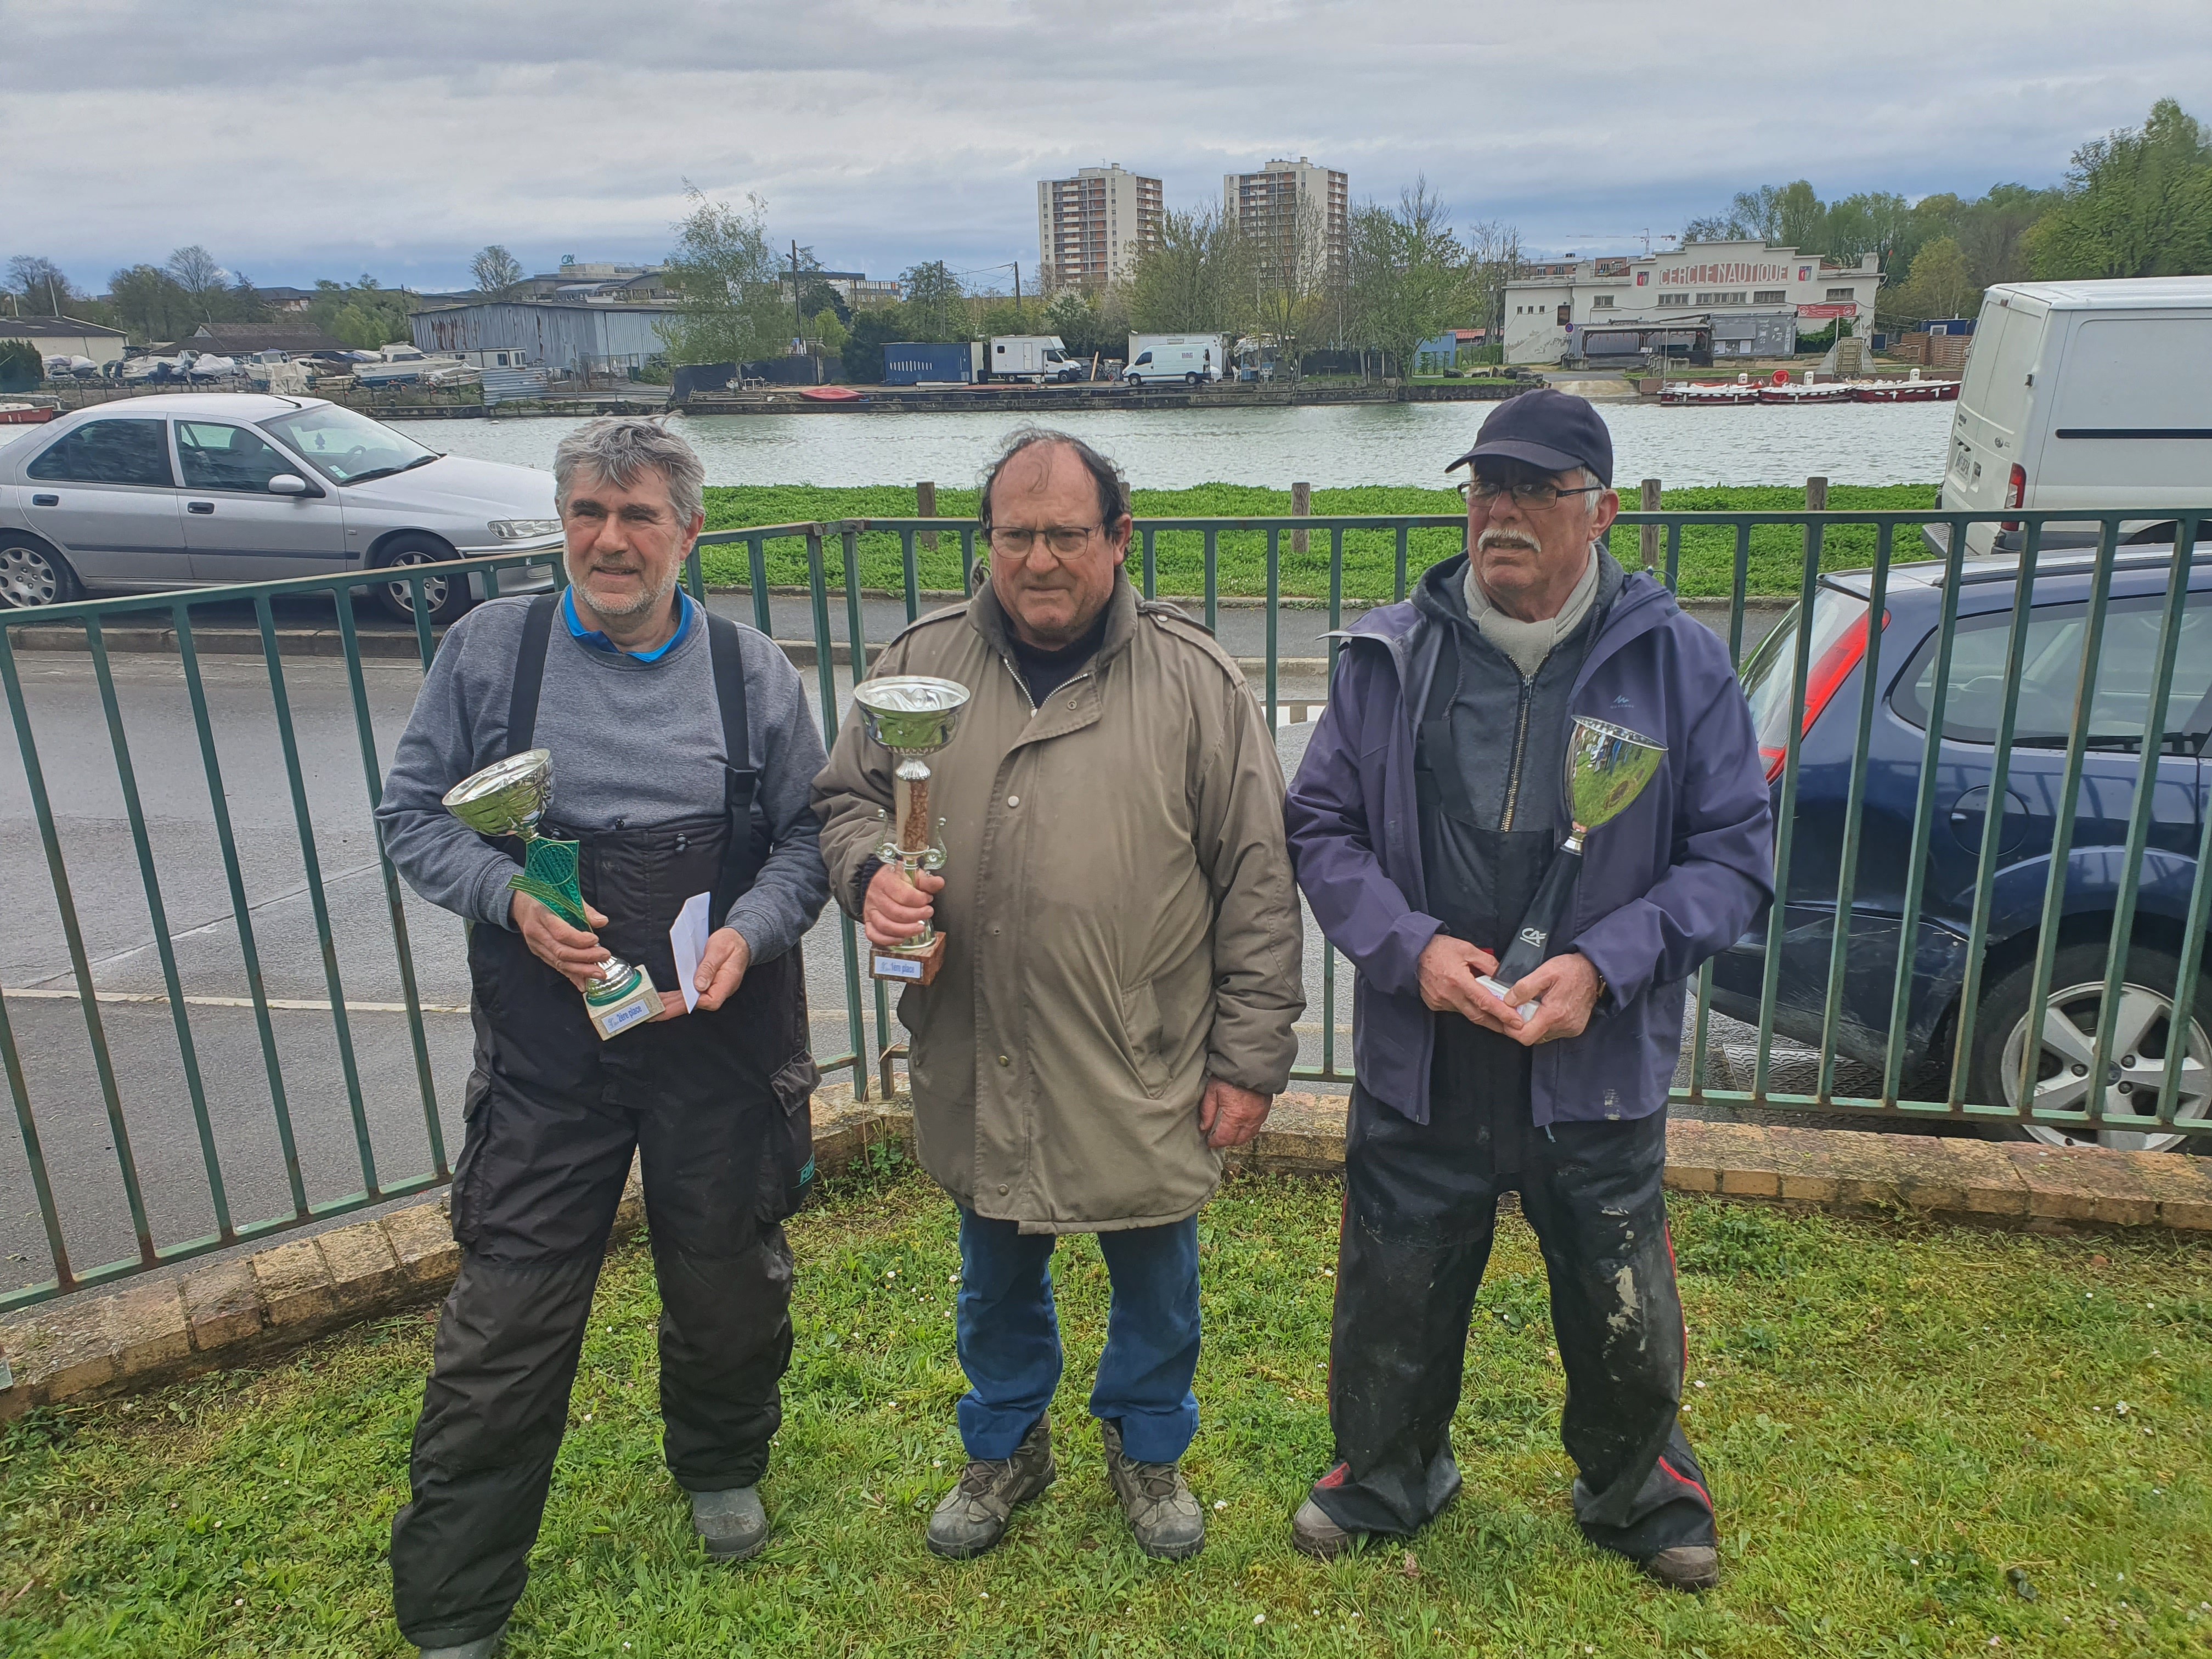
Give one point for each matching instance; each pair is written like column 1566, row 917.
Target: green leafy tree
column 363, row 314
column 732, row 306
column 817, row 297
column 2138, row 203
column 1409, row 276
column 935, row 307
column 495, row 271
column 20, row 367
column 149, row 305
column 1942, row 284
column 872, row 328
column 1197, row 277
column 1993, row 231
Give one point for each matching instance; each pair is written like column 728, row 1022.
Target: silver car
column 206, row 490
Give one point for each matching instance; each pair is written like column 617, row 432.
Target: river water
column 1329, row 448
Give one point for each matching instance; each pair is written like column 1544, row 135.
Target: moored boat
column 26, row 413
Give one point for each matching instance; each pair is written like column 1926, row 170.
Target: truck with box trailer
column 1038, row 358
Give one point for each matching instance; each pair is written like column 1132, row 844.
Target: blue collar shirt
column 593, row 640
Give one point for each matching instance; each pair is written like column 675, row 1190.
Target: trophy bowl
column 1607, row 767
column 507, row 798
column 910, row 714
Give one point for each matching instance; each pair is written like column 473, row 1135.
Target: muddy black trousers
column 1420, row 1211
column 534, row 1197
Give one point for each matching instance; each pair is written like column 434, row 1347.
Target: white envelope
column 689, row 937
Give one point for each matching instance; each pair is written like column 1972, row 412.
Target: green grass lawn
column 1915, row 1436
column 1369, row 557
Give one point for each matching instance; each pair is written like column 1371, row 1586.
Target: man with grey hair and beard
column 1429, row 807
column 683, row 756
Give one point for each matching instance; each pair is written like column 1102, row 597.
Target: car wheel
column 32, row 575
column 444, row 597
column 1190, row 380
column 1137, row 380
column 2143, row 1045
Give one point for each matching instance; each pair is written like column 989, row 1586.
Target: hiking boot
column 1684, row 1567
column 972, row 1517
column 483, row 1648
column 1167, row 1520
column 1314, row 1532
column 732, row 1524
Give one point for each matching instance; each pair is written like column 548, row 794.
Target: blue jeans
column 1009, row 1337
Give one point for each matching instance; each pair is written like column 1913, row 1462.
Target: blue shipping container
column 910, row 365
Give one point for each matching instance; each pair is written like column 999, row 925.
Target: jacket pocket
column 788, row 1169
column 1140, row 1025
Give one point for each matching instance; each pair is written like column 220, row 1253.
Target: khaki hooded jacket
column 1120, row 917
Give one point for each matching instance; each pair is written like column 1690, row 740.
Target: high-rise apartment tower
column 1092, row 227
column 1298, row 215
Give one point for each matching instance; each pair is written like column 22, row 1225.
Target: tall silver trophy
column 913, row 716
column 1607, row 767
column 509, row 797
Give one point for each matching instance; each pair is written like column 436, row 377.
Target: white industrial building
column 1751, row 296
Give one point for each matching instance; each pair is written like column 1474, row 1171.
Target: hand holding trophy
column 912, row 715
column 509, row 797
column 1607, row 767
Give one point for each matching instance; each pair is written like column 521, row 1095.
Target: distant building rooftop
column 47, row 328
column 264, row 337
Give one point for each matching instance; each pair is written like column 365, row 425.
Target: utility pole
column 798, row 317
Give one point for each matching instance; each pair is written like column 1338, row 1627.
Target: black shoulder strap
column 727, row 651
column 529, row 672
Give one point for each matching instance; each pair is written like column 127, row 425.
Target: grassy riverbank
column 1369, row 557
column 1915, row 1436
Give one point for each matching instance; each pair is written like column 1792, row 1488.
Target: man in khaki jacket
column 1121, row 974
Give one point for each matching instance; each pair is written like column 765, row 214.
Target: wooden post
column 1648, row 535
column 924, row 501
column 1816, row 495
column 1302, row 508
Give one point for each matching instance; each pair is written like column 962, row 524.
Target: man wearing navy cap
column 1430, row 801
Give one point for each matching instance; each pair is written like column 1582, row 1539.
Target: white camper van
column 2095, row 395
column 1157, row 359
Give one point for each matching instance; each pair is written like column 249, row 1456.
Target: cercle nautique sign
column 1732, row 272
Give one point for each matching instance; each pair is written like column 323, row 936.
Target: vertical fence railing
column 886, row 574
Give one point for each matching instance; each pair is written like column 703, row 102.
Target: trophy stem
column 1547, row 914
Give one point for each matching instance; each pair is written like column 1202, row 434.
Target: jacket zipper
column 1520, row 739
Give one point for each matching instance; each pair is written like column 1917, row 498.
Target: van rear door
column 1994, row 410
column 2128, row 422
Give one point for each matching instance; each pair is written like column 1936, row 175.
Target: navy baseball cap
column 1555, row 430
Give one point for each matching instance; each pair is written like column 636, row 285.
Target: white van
column 1160, row 358
column 2095, row 395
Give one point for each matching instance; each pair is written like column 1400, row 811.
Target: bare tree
column 204, row 282
column 496, row 272
column 40, row 282
column 1493, row 254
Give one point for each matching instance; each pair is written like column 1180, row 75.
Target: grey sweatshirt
column 634, row 743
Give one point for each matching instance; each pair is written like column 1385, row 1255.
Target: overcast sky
column 311, row 138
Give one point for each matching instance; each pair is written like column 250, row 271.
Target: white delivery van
column 1159, row 358
column 2095, row 395
column 1037, row 357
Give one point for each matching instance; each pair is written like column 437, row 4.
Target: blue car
column 2145, row 1038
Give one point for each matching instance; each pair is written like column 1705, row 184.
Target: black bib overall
column 715, row 1107
column 1421, row 1205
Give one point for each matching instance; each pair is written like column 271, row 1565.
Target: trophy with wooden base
column 912, row 715
column 509, row 797
column 1607, row 767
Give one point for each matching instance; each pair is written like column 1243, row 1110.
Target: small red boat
column 833, row 394
column 26, row 413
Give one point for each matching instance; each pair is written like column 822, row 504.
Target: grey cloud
column 297, row 140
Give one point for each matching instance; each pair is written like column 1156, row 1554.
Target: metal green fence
column 1345, row 561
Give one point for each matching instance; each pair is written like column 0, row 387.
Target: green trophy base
column 623, row 1006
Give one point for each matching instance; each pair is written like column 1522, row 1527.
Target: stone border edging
column 252, row 1307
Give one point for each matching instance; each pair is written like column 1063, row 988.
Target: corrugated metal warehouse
column 562, row 338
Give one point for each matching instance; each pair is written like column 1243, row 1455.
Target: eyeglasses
column 1065, row 540
column 1524, row 494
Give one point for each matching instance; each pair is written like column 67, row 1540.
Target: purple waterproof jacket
column 1672, row 880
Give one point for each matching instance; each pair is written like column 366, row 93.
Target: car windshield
column 346, row 447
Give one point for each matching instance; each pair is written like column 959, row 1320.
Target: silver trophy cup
column 1607, row 767
column 912, row 715
column 509, row 798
